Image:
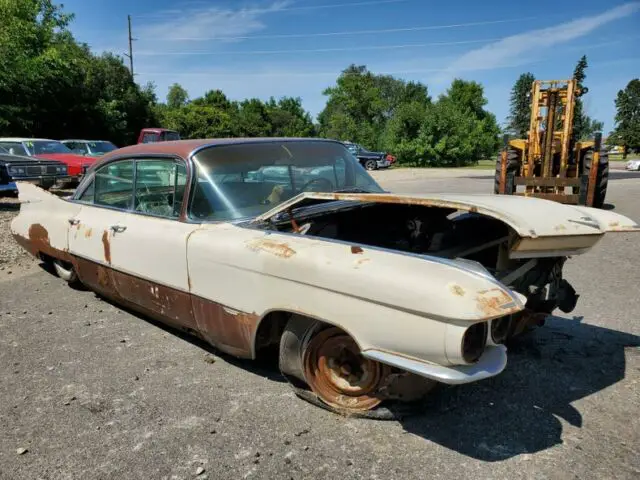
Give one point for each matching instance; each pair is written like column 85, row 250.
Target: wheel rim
column 370, row 165
column 338, row 373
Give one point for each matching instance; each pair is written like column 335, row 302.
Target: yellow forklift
column 551, row 163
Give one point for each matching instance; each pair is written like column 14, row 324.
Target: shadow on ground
column 517, row 412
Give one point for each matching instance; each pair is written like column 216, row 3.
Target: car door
column 136, row 236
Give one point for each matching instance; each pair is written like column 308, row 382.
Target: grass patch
column 617, row 157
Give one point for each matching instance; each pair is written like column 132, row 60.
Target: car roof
column 184, row 148
column 25, row 139
column 78, row 140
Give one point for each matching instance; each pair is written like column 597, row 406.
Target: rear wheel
column 370, row 164
column 513, row 166
column 602, row 177
column 66, row 271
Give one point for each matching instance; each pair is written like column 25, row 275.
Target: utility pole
column 130, row 55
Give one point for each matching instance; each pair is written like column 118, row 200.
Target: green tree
column 584, row 126
column 288, row 118
column 361, row 104
column 627, row 129
column 53, row 86
column 177, row 96
column 520, row 106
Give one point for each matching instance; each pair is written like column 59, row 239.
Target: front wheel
column 602, row 176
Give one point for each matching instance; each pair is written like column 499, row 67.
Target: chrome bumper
column 491, row 363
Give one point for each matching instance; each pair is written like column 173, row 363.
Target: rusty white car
column 252, row 244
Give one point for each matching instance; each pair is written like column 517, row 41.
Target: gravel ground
column 89, row 390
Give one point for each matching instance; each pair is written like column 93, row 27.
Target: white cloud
column 209, row 21
column 516, row 48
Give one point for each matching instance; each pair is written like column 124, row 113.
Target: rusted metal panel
column 548, row 182
column 173, row 305
column 37, row 243
column 96, row 276
column 229, row 330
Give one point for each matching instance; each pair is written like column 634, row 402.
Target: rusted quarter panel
column 230, row 330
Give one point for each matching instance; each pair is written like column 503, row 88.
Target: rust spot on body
column 271, row 246
column 88, row 232
column 495, row 302
column 107, row 246
column 356, row 250
column 457, row 290
column 362, row 261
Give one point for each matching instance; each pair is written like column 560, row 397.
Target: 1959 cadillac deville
column 289, row 243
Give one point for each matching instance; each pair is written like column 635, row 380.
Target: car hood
column 529, row 217
column 22, row 160
column 68, row 158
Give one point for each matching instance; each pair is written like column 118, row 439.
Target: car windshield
column 42, row 147
column 168, row 136
column 247, row 180
column 13, row 148
column 102, row 147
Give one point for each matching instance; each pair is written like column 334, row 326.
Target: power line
column 350, row 32
column 377, row 72
column 324, row 50
column 288, row 9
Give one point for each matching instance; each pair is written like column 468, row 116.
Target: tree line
column 53, row 86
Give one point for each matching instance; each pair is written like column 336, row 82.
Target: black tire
column 602, row 177
column 370, row 165
column 513, row 165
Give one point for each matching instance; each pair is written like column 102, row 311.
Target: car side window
column 160, row 187
column 114, row 185
column 88, row 195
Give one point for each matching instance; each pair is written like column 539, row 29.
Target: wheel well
column 271, row 328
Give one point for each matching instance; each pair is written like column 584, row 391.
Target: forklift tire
column 513, row 165
column 602, row 178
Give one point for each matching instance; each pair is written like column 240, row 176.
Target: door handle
column 118, row 228
column 74, row 221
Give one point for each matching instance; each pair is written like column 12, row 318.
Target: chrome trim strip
column 491, row 363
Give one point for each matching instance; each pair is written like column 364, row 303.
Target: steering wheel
column 316, row 180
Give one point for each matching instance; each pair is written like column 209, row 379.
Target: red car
column 152, row 135
column 47, row 149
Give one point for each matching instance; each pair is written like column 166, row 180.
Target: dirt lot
column 92, row 391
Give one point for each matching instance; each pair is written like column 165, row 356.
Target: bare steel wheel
column 337, row 372
column 66, row 271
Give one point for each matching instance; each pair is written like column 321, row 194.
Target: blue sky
column 263, row 48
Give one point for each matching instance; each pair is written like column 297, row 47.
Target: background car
column 152, row 135
column 633, row 165
column 91, row 148
column 368, row 159
column 44, row 173
column 48, row 149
